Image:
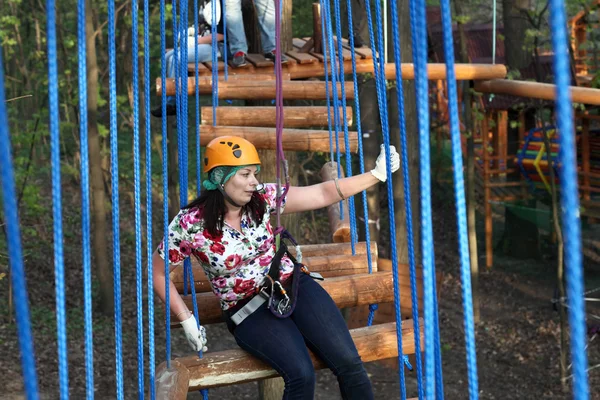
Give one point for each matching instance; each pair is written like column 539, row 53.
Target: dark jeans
column 317, row 324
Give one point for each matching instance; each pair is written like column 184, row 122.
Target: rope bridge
column 395, row 339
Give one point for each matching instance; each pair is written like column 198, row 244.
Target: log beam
column 537, row 90
column 293, row 117
column 246, row 89
column 327, row 265
column 346, row 291
column 293, row 139
column 435, row 71
column 237, row 366
column 339, row 228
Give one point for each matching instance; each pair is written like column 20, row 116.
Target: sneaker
column 171, row 110
column 239, row 59
column 271, row 56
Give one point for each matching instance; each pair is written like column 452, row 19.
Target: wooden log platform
column 346, row 291
column 231, row 367
column 293, row 117
column 327, row 265
column 537, row 90
column 257, row 89
column 339, row 228
column 436, row 71
column 293, row 139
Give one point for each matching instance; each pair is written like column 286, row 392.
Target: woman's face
column 242, row 185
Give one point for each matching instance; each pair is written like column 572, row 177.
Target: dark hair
column 211, row 204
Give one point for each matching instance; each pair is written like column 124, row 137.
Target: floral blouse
column 234, row 262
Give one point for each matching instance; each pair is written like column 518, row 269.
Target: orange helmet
column 229, row 151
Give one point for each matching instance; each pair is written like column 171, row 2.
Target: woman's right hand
column 195, row 334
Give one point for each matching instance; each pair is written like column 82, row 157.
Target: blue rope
column 215, row 63
column 225, row 52
column 197, row 91
column 114, row 165
column 85, row 202
column 570, row 201
column 151, row 357
column 15, row 251
column 351, row 209
column 59, row 266
column 461, row 210
column 379, row 69
column 137, row 196
column 165, row 182
column 407, row 194
column 327, row 94
column 419, row 45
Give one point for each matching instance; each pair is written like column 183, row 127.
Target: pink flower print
column 219, row 282
column 188, row 219
column 264, row 260
column 266, row 245
column 232, row 261
column 199, row 240
column 231, row 296
column 185, row 248
column 284, row 277
column 242, row 286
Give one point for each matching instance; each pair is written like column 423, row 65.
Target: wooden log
column 536, row 90
column 263, row 90
column 339, row 228
column 237, row 366
column 206, row 80
column 328, row 266
column 346, row 291
column 293, row 139
column 294, row 117
column 317, row 32
column 172, row 383
column 435, row 71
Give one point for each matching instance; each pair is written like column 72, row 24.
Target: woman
column 203, row 46
column 228, row 230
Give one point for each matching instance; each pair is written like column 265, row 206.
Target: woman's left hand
column 380, row 170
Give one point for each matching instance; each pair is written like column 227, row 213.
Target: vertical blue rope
column 419, row 45
column 461, row 209
column 85, row 201
column 15, row 251
column 407, row 194
column 114, row 166
column 137, row 196
column 215, row 63
column 225, row 51
column 570, row 201
column 324, row 39
column 59, row 266
column 151, row 358
column 379, row 71
column 165, row 182
column 351, row 210
column 197, row 91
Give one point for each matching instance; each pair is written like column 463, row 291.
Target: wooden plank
column 293, row 139
column 339, row 228
column 294, row 117
column 265, row 90
column 346, row 291
column 362, row 52
column 308, row 45
column 329, row 266
column 237, row 366
column 346, row 54
column 301, row 58
column 209, row 66
column 172, row 383
column 537, row 90
column 258, row 60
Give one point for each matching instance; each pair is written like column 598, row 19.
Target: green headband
column 220, row 175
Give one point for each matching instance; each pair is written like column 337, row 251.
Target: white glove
column 196, row 336
column 380, row 171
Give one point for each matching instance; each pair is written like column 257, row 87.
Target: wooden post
column 486, row 192
column 317, row 32
column 339, row 228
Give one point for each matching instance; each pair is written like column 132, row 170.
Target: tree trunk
column 173, row 172
column 100, row 236
column 515, row 27
column 471, row 200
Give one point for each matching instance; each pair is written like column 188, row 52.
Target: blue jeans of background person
column 236, row 36
column 204, row 55
column 317, row 324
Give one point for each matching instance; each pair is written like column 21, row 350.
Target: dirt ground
column 517, row 338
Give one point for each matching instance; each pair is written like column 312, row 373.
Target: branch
column 101, row 27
